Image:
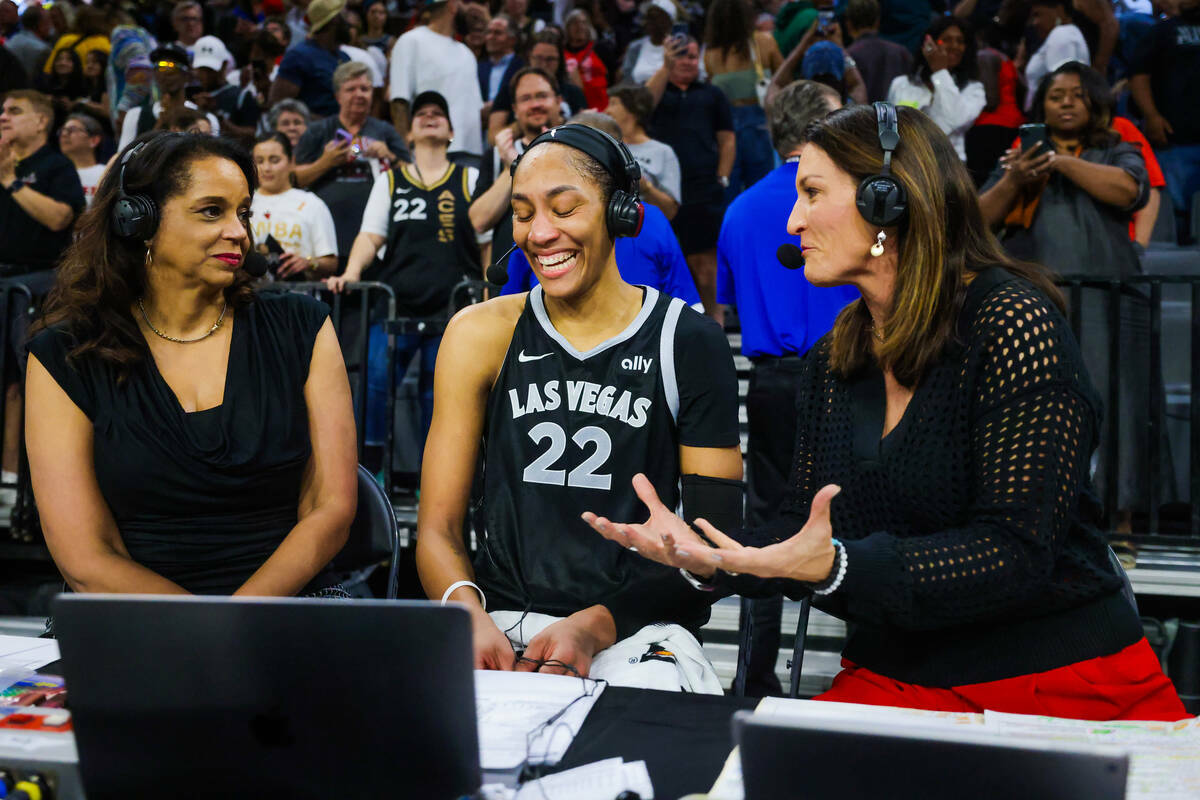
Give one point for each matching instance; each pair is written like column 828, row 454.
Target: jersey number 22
column 583, row 476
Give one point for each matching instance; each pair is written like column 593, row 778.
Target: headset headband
column 611, row 154
column 889, row 133
column 129, row 154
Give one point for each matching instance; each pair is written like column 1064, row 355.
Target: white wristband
column 840, row 559
column 457, row 584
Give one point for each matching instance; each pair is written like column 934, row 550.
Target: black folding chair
column 374, row 534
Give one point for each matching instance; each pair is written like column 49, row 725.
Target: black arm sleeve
column 704, row 373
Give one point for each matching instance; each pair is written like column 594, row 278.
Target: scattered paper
column 21, row 656
column 528, row 716
column 1164, row 757
column 600, row 780
column 782, row 707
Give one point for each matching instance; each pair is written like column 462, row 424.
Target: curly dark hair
column 967, row 69
column 1096, row 98
column 102, row 274
column 730, row 26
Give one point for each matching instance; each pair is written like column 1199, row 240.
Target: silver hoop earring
column 877, row 248
column 149, row 258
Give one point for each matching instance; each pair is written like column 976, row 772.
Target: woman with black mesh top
column 940, row 498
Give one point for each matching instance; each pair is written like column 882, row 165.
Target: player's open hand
column 664, row 537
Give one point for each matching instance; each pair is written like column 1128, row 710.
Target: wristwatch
column 723, row 180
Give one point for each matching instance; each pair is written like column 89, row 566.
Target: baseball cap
column 172, row 53
column 431, row 97
column 666, row 6
column 824, row 58
column 209, row 51
column 321, row 12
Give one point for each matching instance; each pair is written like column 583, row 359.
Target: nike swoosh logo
column 524, row 358
column 403, row 191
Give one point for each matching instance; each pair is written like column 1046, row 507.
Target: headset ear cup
column 135, row 217
column 881, row 200
column 624, row 215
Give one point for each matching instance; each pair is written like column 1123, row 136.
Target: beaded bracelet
column 840, row 563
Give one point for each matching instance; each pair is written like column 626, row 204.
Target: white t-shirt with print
column 299, row 220
column 90, row 177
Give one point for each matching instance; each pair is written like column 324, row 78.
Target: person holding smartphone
column 1066, row 201
column 945, row 82
column 338, row 157
column 645, row 55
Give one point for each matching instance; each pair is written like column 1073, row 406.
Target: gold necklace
column 211, row 330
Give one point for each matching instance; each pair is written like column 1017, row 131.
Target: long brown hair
column 102, row 275
column 730, row 27
column 943, row 238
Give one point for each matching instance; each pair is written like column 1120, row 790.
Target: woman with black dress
column 184, row 434
column 940, row 498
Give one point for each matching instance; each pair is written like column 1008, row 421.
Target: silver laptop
column 202, row 697
column 823, row 759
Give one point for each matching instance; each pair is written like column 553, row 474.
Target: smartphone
column 343, row 135
column 1031, row 135
column 680, row 31
column 825, row 20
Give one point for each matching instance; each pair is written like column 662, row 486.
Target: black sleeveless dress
column 203, row 498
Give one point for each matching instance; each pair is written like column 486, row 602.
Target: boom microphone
column 790, row 256
column 255, row 264
column 497, row 273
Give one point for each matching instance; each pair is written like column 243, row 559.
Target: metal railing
column 353, row 312
column 1147, row 292
column 17, row 309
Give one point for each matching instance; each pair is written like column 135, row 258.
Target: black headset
column 134, row 216
column 881, row 199
column 625, row 210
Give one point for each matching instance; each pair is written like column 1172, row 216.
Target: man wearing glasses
column 172, row 72
column 78, row 139
column 188, row 21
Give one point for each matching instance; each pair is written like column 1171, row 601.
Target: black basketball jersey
column 431, row 243
column 566, row 432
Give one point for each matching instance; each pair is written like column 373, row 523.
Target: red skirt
column 1128, row 684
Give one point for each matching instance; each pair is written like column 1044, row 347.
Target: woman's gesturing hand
column 664, row 537
column 807, row 556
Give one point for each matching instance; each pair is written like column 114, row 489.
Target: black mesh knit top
column 970, row 530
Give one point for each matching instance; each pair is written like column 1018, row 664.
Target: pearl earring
column 877, row 248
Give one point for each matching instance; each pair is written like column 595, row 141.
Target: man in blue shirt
column 652, row 258
column 782, row 316
column 306, row 71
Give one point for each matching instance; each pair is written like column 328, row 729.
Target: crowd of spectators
column 324, row 91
